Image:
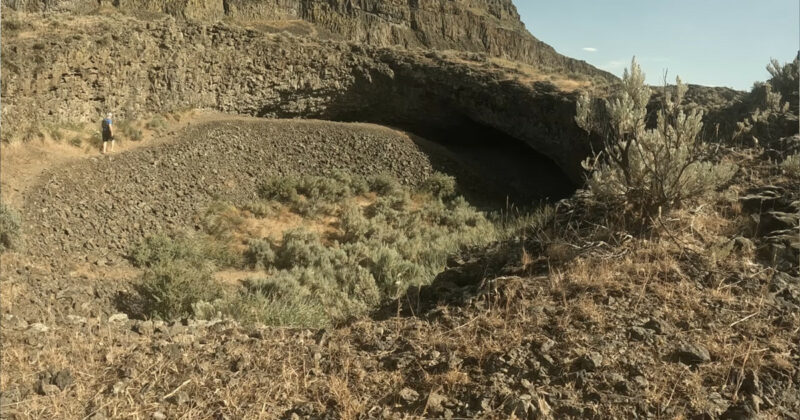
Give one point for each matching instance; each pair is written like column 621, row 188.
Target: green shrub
column 324, row 189
column 386, row 247
column 195, row 249
column 772, row 106
column 259, row 254
column 648, row 170
column 383, row 184
column 170, row 289
column 291, row 311
column 358, row 184
column 56, row 134
column 221, row 219
column 76, row 141
column 785, row 79
column 281, row 189
column 299, row 248
column 394, row 274
column 439, row 185
column 158, row 123
column 353, row 224
column 129, row 131
column 260, row 208
column 791, row 165
column 9, row 228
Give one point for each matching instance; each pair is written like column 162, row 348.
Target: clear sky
column 707, row 42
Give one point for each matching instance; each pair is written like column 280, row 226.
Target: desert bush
column 260, row 208
column 56, row 134
column 259, row 254
column 386, row 247
column 76, row 141
column 249, row 307
column 383, row 184
column 324, row 189
column 785, row 79
column 95, row 140
column 221, row 219
column 156, row 249
column 353, row 224
column 157, row 123
column 196, row 249
column 358, row 184
column 170, row 289
column 393, row 274
column 9, row 228
column 439, row 185
column 791, row 165
column 129, row 131
column 299, row 248
column 647, row 170
column 281, row 189
column 772, row 106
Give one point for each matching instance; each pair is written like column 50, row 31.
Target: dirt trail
column 23, row 163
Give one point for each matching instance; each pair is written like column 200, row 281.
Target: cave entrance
column 494, row 170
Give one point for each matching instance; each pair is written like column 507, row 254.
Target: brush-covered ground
column 290, row 306
column 304, row 269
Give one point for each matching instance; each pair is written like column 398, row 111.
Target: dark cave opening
column 493, row 169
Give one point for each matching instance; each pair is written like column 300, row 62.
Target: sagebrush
column 648, row 170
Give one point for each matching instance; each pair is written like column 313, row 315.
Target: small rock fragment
column 692, row 354
column 408, row 395
column 38, row 327
column 589, row 362
column 120, row 317
column 63, row 379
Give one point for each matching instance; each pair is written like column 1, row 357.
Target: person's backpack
column 106, row 126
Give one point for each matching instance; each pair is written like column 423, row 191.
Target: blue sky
column 707, row 42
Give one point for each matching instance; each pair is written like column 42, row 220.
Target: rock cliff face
column 487, row 26
column 160, row 66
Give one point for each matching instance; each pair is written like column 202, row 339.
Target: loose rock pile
column 99, row 207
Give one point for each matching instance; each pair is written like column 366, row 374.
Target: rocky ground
column 698, row 319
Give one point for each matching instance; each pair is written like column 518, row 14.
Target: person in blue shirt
column 108, row 133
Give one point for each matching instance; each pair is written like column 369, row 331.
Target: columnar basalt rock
column 487, row 26
column 166, row 65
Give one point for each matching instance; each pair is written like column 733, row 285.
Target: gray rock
column 45, row 388
column 144, row 327
column 656, row 325
column 38, row 328
column 692, row 354
column 639, row 333
column 118, row 317
column 774, row 220
column 408, row 395
column 63, row 379
column 589, row 362
column 76, row 320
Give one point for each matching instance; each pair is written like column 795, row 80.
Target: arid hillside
column 383, row 209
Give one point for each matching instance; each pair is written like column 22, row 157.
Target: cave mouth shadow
column 494, row 171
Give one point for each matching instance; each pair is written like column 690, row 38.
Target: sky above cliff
column 708, row 42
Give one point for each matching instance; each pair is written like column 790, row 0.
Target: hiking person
column 108, row 133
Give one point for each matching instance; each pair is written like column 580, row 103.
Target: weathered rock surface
column 160, row 66
column 487, row 26
column 116, row 200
